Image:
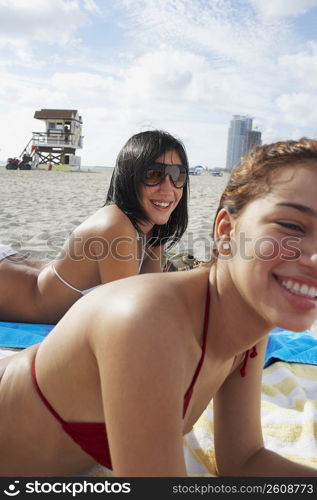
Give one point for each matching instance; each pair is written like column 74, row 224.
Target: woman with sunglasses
column 145, row 210
column 130, row 368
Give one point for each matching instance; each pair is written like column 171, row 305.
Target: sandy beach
column 39, row 209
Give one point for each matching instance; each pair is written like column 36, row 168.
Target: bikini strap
column 203, row 349
column 140, row 237
column 43, row 398
column 65, row 282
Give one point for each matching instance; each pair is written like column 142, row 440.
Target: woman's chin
column 294, row 325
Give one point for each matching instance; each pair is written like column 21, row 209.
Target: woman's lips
column 297, row 293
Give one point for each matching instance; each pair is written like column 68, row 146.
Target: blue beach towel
column 20, row 335
column 291, row 347
column 283, row 345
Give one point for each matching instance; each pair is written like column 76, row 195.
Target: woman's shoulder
column 156, row 311
column 169, row 298
column 144, row 308
column 107, row 220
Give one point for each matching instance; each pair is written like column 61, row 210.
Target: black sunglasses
column 157, row 172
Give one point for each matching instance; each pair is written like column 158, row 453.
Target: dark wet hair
column 253, row 176
column 126, row 182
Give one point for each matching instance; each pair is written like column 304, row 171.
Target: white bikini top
column 6, row 251
column 84, row 292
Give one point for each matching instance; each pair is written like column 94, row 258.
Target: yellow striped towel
column 288, row 414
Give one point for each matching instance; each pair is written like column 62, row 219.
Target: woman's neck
column 234, row 326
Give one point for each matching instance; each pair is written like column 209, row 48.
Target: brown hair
column 251, row 178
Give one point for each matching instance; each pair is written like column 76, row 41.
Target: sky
column 185, row 66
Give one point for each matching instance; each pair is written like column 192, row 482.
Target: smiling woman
column 146, row 209
column 163, row 187
column 281, row 250
column 153, row 163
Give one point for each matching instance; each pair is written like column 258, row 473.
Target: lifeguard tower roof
column 63, row 114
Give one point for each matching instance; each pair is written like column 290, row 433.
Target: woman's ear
column 223, row 229
column 223, row 225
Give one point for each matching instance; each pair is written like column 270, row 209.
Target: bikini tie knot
column 253, row 354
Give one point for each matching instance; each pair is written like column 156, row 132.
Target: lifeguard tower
column 55, row 149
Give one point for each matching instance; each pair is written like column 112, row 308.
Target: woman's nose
column 314, row 258
column 167, row 183
column 309, row 257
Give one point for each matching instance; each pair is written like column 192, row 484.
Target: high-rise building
column 241, row 138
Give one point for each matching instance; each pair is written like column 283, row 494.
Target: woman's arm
column 18, row 278
column 153, row 260
column 106, row 246
column 121, row 259
column 239, row 446
column 141, row 365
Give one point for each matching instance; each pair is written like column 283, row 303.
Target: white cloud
column 80, row 81
column 166, row 88
column 19, row 120
column 219, row 28
column 164, row 76
column 182, row 65
column 18, row 52
column 274, row 9
column 302, row 65
column 91, row 6
column 299, row 109
column 17, row 91
column 169, row 75
column 51, row 21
